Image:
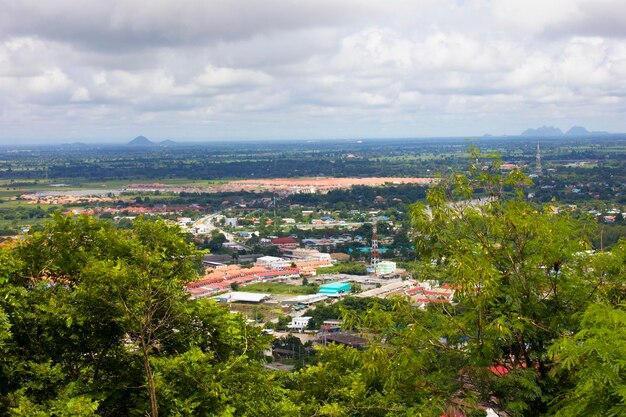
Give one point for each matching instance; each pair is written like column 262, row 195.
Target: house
column 299, row 323
column 285, row 243
column 343, row 339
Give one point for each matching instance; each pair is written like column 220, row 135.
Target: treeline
column 197, row 169
column 359, row 196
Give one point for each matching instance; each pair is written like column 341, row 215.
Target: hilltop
column 141, row 141
column 545, row 131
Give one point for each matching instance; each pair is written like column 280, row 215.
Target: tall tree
column 521, row 277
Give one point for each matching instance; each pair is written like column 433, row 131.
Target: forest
column 94, row 321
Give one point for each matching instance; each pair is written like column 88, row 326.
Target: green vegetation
column 280, row 288
column 351, row 268
column 95, row 322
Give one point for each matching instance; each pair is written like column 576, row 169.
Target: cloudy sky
column 93, row 70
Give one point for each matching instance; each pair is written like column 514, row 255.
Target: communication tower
column 375, row 258
column 539, row 171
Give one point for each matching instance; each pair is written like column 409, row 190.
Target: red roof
column 283, row 240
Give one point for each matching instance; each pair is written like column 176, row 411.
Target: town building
column 335, row 289
column 385, row 267
column 244, row 297
column 285, row 243
column 299, row 323
column 272, row 262
column 307, row 254
column 304, row 300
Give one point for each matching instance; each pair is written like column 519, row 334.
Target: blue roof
column 369, row 249
column 335, row 285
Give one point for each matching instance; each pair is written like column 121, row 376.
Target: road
column 209, row 222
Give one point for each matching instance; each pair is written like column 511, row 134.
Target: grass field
column 280, row 288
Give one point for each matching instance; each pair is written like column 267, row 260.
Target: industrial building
column 304, row 300
column 336, row 289
column 244, row 297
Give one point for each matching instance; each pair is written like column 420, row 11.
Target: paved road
column 209, row 222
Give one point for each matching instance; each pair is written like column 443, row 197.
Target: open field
column 295, row 185
column 279, row 288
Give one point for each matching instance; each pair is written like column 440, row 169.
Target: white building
column 244, row 297
column 184, row 221
column 201, row 229
column 299, row 323
column 385, row 267
column 307, row 255
column 272, row 262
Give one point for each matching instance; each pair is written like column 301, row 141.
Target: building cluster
column 220, row 276
column 421, row 293
column 332, row 290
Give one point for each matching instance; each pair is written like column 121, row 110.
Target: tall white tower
column 539, row 171
column 374, row 254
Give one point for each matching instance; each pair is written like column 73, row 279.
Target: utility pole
column 538, row 168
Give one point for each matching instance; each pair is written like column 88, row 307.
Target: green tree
column 95, row 321
column 405, row 370
column 594, row 359
column 522, row 277
column 147, row 288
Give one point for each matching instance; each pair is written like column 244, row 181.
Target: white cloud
column 81, row 94
column 316, row 68
column 231, row 77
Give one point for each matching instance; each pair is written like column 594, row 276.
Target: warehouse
column 336, row 289
column 244, row 297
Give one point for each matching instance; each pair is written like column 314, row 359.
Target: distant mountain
column 141, row 141
column 577, row 131
column 551, row 131
column 543, row 131
column 168, row 143
column 581, row 131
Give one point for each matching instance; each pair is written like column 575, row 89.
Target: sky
column 93, row 70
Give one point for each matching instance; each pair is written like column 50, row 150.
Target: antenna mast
column 538, row 161
column 375, row 258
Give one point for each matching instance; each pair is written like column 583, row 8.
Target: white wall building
column 299, row 323
column 385, row 267
column 273, row 262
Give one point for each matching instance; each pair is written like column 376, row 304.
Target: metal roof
column 247, row 297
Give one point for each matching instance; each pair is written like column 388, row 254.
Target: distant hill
column 168, row 143
column 581, row 131
column 543, row 131
column 141, row 141
column 552, row 131
column 577, row 131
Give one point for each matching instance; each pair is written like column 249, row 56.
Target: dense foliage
column 95, row 321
